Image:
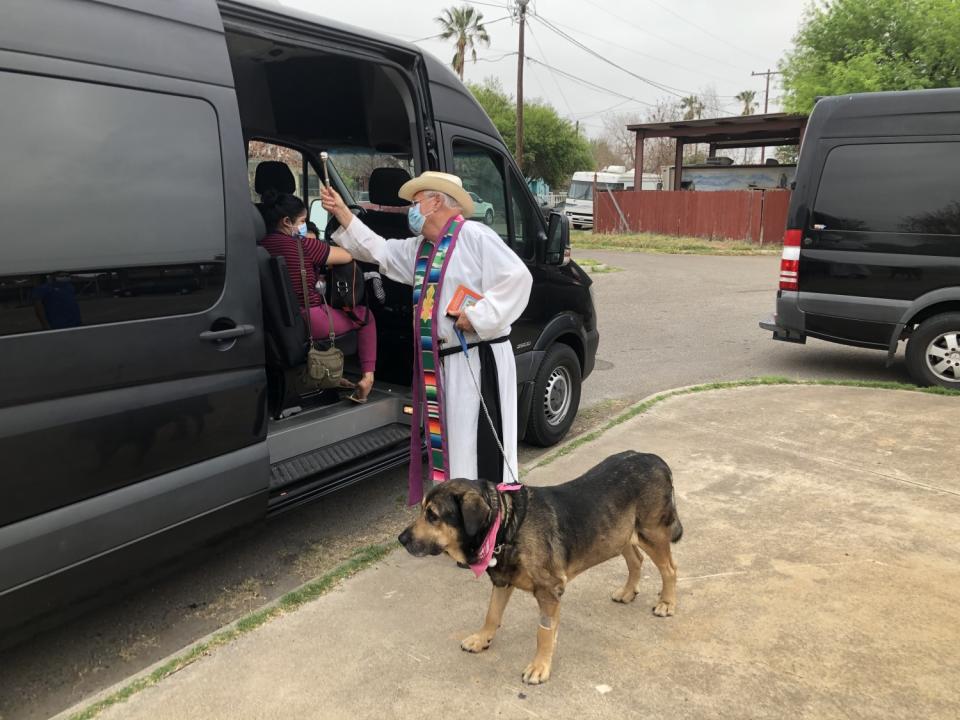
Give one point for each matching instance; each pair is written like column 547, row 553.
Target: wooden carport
column 740, row 131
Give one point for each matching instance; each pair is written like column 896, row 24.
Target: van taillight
column 790, row 260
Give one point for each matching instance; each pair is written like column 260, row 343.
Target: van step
column 322, row 460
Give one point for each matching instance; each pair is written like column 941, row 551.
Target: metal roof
column 739, row 128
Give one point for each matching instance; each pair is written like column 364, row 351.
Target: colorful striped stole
column 428, row 410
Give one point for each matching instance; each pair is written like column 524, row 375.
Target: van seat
column 384, row 187
column 274, row 175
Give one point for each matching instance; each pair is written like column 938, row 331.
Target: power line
column 593, row 85
column 485, row 24
column 704, row 30
column 552, row 74
column 660, row 37
column 659, row 86
column 643, row 54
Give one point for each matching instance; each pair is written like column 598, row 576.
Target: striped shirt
column 315, row 254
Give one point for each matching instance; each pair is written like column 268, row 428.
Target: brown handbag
column 324, row 367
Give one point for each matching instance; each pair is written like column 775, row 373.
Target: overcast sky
column 685, row 45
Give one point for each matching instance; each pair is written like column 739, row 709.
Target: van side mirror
column 557, row 251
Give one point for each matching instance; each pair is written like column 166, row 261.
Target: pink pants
column 342, row 324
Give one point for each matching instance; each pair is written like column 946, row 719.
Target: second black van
column 871, row 255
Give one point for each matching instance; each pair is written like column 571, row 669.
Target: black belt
column 454, row 349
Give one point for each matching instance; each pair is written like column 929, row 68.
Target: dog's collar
column 489, row 548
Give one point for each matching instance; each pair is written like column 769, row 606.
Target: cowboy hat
column 438, row 182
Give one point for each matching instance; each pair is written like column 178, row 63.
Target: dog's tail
column 672, row 520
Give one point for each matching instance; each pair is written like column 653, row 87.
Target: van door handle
column 228, row 334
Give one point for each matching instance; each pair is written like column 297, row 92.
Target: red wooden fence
column 749, row 215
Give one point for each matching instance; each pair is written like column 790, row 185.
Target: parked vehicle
column 482, row 210
column 578, row 206
column 871, row 255
column 150, row 352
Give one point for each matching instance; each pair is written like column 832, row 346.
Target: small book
column 463, row 298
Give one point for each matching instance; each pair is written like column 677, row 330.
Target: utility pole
column 522, row 11
column 766, row 98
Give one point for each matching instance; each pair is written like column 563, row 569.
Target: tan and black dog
column 549, row 535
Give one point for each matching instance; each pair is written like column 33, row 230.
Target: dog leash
column 486, row 412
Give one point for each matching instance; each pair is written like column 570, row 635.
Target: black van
column 871, row 254
column 149, row 349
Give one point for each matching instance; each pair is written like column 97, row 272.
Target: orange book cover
column 464, row 297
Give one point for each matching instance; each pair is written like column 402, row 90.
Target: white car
column 481, row 210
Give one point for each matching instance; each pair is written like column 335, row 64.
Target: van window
column 112, row 204
column 356, row 165
column 525, row 224
column 891, row 187
column 481, row 170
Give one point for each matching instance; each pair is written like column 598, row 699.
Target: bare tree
column 604, row 154
column 620, row 140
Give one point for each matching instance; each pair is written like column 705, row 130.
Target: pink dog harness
column 485, row 555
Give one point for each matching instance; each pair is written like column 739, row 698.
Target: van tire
column 556, row 396
column 932, row 330
column 488, row 217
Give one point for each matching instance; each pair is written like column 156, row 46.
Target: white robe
column 482, row 262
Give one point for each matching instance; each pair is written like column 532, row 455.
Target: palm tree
column 747, row 97
column 692, row 107
column 465, row 25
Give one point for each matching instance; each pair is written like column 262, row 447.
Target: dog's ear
column 475, row 511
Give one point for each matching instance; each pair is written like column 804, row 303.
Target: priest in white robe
column 481, row 262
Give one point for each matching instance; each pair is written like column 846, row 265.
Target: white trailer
column 579, row 203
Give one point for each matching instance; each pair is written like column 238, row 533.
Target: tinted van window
column 481, row 170
column 891, row 187
column 112, row 204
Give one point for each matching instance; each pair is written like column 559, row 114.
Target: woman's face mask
column 416, row 219
column 302, row 229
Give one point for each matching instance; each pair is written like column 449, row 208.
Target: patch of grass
column 667, row 244
column 596, row 267
column 642, row 407
column 361, row 558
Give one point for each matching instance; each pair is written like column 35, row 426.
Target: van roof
column 909, row 112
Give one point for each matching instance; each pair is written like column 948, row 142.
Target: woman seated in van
column 285, row 217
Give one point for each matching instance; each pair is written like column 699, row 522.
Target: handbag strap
column 306, row 297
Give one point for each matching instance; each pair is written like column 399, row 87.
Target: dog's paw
column 476, row 643
column 664, row 608
column 624, row 595
column 537, row 672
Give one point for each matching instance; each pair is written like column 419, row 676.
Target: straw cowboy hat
column 438, row 182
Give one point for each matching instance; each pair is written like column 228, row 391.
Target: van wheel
column 488, row 217
column 556, row 397
column 933, row 352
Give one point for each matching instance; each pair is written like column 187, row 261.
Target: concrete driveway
column 819, row 577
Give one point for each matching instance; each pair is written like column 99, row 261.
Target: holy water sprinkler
column 326, row 173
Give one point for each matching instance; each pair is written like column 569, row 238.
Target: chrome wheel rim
column 943, row 356
column 556, row 398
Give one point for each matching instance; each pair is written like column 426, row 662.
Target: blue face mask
column 302, row 229
column 415, row 218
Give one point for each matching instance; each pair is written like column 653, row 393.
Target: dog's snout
column 405, row 537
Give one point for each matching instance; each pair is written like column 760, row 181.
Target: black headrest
column 385, row 183
column 274, row 175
